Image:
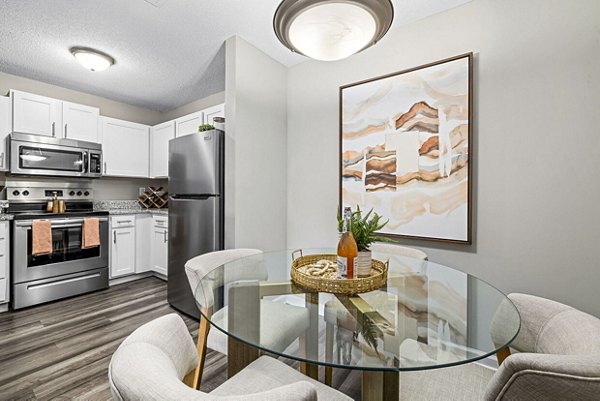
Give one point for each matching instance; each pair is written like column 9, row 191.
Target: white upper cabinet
column 126, row 148
column 5, row 128
column 212, row 112
column 159, row 148
column 188, row 124
column 35, row 114
column 80, row 122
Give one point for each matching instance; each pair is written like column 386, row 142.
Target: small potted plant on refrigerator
column 364, row 230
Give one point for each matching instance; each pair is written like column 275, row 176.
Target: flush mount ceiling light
column 331, row 29
column 92, row 59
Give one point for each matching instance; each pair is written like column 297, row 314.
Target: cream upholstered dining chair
column 558, row 360
column 153, row 363
column 282, row 324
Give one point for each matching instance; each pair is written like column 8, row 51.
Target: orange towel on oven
column 91, row 233
column 41, row 237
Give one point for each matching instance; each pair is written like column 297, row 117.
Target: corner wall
column 536, row 144
column 255, row 192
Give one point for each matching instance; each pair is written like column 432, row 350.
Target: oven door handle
column 58, row 224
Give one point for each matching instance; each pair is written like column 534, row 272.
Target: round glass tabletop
column 427, row 316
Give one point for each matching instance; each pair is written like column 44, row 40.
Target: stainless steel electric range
column 69, row 269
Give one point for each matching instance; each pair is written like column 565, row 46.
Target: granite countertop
column 4, row 216
column 117, row 207
column 164, row 212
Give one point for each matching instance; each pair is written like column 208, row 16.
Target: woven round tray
column 330, row 283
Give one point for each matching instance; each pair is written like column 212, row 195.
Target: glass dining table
column 426, row 316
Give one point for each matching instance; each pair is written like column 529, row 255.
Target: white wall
column 536, row 141
column 255, row 192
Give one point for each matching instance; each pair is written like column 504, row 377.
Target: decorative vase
column 363, row 263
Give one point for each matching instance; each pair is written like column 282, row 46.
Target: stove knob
column 79, row 193
column 86, row 193
column 72, row 193
column 16, row 193
column 26, row 193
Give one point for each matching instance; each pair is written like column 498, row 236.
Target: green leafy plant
column 205, row 127
column 364, row 228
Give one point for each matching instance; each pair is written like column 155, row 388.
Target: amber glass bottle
column 347, row 250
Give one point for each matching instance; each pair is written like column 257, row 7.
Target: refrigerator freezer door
column 195, row 163
column 194, row 229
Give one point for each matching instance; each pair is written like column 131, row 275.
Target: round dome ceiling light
column 91, row 59
column 331, row 30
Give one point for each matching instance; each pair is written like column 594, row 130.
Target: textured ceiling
column 167, row 52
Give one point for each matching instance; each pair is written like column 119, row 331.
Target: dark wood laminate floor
column 61, row 350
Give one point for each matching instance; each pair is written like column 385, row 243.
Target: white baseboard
column 131, row 277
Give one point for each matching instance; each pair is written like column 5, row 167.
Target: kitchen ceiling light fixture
column 92, row 59
column 331, row 30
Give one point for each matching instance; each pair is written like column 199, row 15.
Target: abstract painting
column 405, row 144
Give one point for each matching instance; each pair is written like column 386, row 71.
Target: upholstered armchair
column 559, row 355
column 155, row 360
column 558, row 359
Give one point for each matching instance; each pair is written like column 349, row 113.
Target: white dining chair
column 156, row 362
column 280, row 323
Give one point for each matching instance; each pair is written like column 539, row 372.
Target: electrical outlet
column 141, row 191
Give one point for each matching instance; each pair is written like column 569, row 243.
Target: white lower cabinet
column 143, row 226
column 122, row 247
column 139, row 244
column 159, row 243
column 4, row 262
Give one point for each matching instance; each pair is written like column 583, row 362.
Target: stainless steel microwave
column 39, row 155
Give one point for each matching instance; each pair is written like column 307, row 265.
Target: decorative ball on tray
column 352, row 270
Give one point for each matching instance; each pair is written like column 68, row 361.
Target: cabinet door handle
column 104, row 167
column 53, row 129
column 114, row 236
column 65, row 130
column 165, row 236
column 2, row 159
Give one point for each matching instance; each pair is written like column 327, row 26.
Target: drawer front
column 160, row 221
column 122, row 221
column 36, row 292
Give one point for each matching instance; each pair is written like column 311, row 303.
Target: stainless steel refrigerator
column 196, row 208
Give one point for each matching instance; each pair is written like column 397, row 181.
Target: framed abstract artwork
column 405, row 149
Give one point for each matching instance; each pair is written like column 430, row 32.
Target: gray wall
column 196, row 105
column 108, row 107
column 255, row 98
column 113, row 188
column 109, row 188
column 536, row 142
